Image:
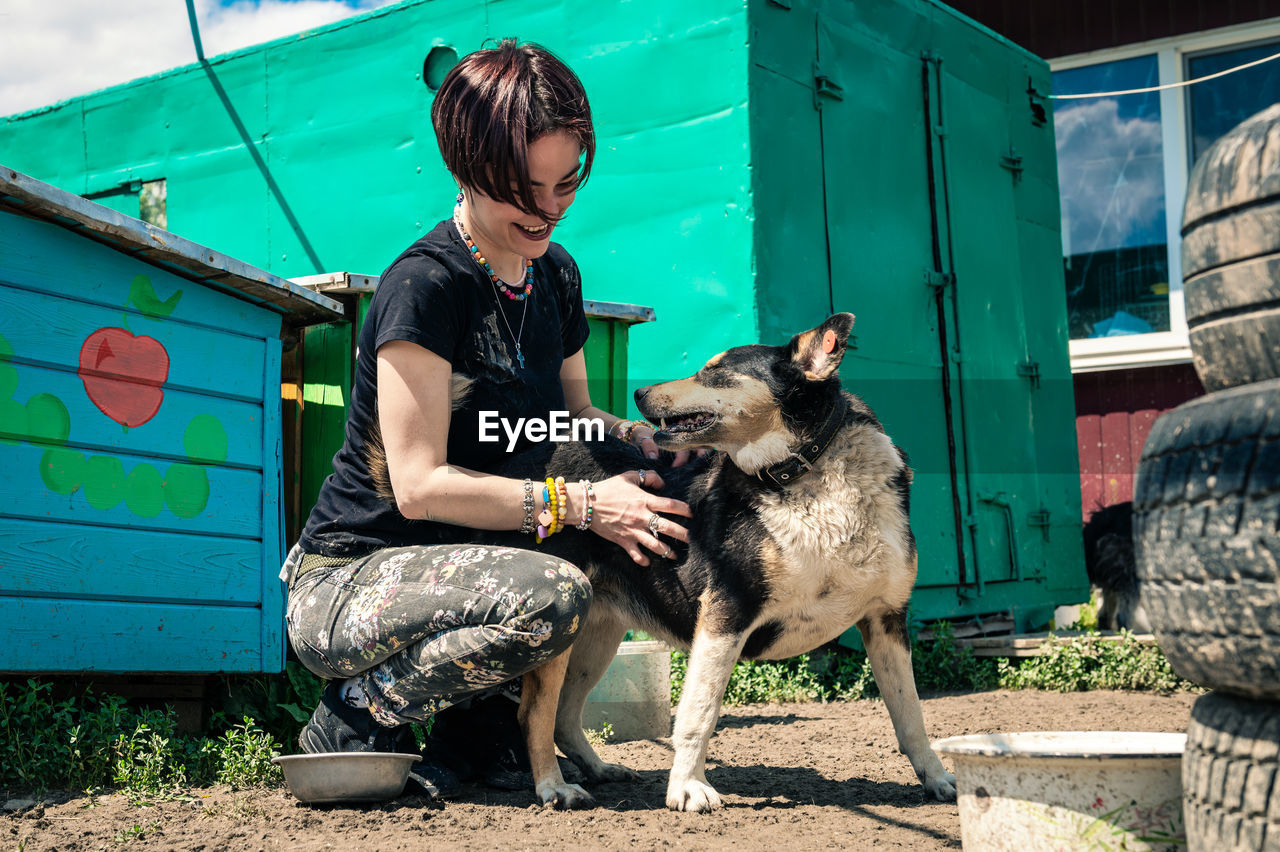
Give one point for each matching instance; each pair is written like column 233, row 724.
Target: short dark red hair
column 497, row 101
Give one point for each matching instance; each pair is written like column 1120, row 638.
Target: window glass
column 1220, row 104
column 1111, row 180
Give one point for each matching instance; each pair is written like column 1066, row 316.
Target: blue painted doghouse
column 140, row 443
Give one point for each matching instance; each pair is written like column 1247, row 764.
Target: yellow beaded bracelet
column 562, row 502
column 547, row 517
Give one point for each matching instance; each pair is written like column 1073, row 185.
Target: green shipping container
column 760, row 164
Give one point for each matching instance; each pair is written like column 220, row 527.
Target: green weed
column 944, row 666
column 94, row 743
column 941, row 665
column 136, row 832
column 279, row 704
column 600, row 737
column 148, row 761
column 1079, row 663
column 244, row 757
column 47, row 743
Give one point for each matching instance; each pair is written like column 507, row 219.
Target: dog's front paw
column 605, row 773
column 943, row 787
column 565, row 797
column 692, row 795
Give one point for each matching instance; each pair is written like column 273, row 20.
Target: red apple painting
column 123, row 374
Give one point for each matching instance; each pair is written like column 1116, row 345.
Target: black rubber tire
column 1205, row 515
column 1231, row 255
column 1231, row 775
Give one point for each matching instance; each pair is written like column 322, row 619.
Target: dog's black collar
column 804, row 456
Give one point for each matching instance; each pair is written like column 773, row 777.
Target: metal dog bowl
column 346, row 776
column 1068, row 790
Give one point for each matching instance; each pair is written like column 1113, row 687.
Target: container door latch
column 825, row 86
column 1031, row 370
column 1013, row 162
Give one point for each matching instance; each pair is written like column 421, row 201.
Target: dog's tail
column 375, row 452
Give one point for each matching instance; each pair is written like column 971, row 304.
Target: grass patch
column 97, row 743
column 93, row 743
column 1081, row 663
column 1071, row 664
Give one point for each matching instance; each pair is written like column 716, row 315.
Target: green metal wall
column 912, row 181
column 760, row 163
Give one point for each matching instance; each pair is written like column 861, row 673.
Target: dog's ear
column 818, row 351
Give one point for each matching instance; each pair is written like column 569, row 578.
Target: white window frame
column 1162, row 347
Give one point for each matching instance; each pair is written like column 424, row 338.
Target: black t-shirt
column 437, row 296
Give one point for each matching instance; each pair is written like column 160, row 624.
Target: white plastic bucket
column 1068, row 790
column 634, row 696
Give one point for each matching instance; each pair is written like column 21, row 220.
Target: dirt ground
column 797, row 776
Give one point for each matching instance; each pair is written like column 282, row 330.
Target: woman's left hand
column 642, row 437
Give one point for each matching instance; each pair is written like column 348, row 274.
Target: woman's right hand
column 623, row 509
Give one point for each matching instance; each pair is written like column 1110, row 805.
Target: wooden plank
column 41, row 256
column 271, row 639
column 31, row 197
column 62, row 560
column 291, row 418
column 43, row 635
column 1034, row 644
column 971, row 629
column 48, row 329
column 187, row 425
column 621, row 311
column 207, row 499
column 350, row 283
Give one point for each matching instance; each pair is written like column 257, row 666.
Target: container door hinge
column 1030, row 369
column 1039, row 518
column 934, row 278
column 825, row 86
column 1013, row 162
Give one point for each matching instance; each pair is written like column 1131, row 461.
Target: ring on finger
column 654, row 520
column 642, row 473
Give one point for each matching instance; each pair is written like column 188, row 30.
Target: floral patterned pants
column 428, row 626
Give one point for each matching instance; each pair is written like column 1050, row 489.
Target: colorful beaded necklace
column 515, row 336
column 511, row 291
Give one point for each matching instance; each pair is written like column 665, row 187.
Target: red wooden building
column 1123, row 162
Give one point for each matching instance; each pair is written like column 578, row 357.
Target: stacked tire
column 1207, row 497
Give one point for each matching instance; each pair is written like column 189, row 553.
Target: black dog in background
column 1108, row 557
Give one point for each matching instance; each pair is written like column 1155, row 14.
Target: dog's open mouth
column 685, row 424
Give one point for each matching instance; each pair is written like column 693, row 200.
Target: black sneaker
column 506, row 756
column 336, row 726
column 433, row 779
column 480, row 740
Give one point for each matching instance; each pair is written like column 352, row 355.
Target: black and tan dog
column 799, row 531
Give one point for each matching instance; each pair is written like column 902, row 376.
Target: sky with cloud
column 1110, row 176
column 55, row 49
column 1110, row 157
